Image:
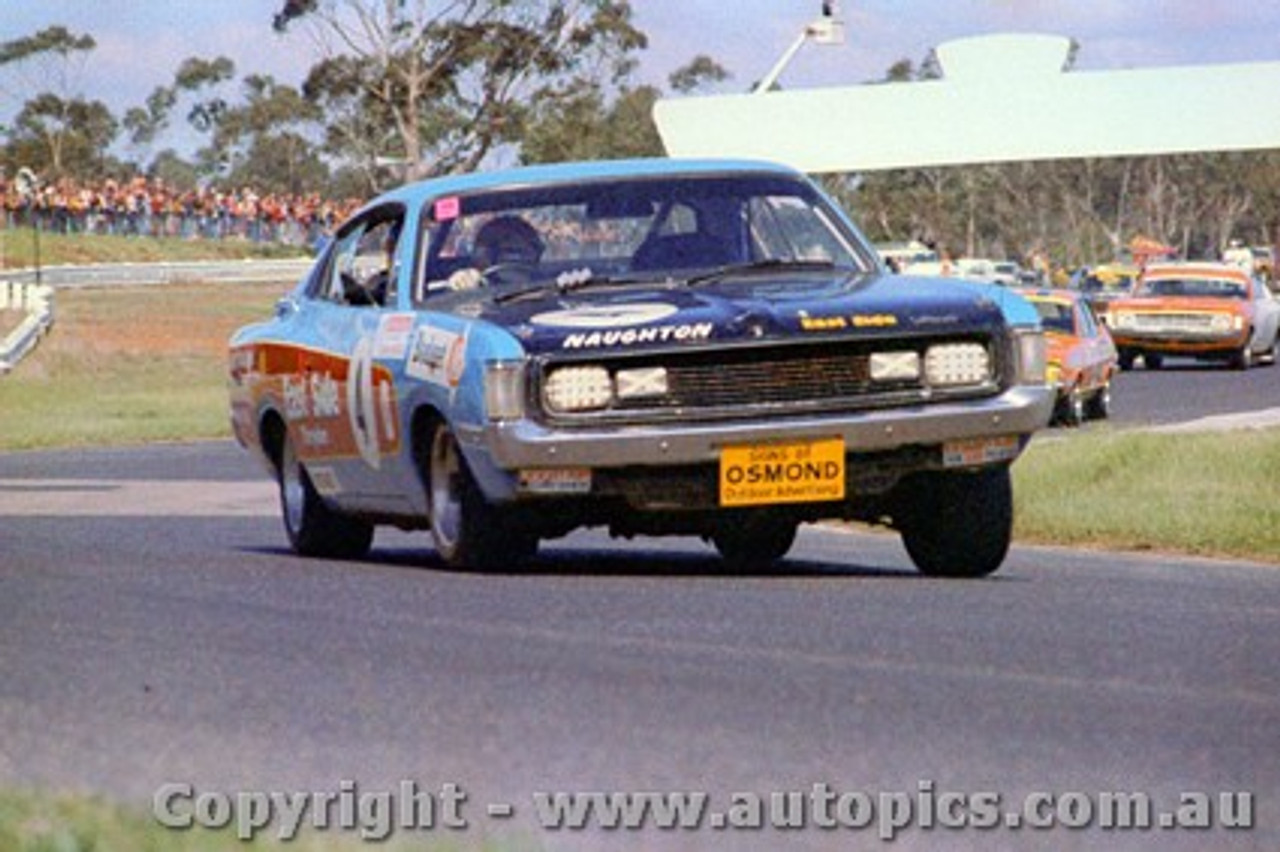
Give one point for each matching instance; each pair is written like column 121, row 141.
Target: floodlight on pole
column 827, row 28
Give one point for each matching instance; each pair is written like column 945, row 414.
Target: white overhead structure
column 1001, row 98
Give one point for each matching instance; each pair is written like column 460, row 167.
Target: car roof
column 1204, row 269
column 1049, row 294
column 577, row 171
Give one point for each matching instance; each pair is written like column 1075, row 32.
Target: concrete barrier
column 36, row 302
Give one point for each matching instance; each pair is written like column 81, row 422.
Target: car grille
column 1172, row 322
column 778, row 379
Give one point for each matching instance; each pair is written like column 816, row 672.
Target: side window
column 1087, row 326
column 362, row 269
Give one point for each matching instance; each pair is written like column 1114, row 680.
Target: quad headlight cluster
column 591, row 388
column 954, row 364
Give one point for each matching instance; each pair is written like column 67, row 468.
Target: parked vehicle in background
column 1104, row 282
column 1209, row 311
column 1264, row 264
column 898, row 256
column 660, row 347
column 1082, row 359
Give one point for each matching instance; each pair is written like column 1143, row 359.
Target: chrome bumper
column 1020, row 410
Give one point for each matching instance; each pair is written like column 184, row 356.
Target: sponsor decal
column 446, row 209
column 838, row 322
column 296, row 404
column 315, row 437
column 605, row 316
column 798, row 472
column 324, row 396
column 437, row 356
column 325, row 480
column 632, row 336
column 392, row 340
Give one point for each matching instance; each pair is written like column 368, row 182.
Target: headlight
column 641, row 382
column 1220, row 322
column 895, row 366
column 1123, row 319
column 577, row 389
column 950, row 364
column 1053, row 374
column 1033, row 356
column 504, row 390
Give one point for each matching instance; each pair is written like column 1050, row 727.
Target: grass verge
column 43, row 822
column 1212, row 493
column 129, row 365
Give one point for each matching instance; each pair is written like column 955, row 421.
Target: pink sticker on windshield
column 448, row 208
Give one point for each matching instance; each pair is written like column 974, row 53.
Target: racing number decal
column 370, row 407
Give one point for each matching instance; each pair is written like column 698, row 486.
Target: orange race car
column 1081, row 356
column 1206, row 310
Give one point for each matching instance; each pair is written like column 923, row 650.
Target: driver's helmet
column 507, row 239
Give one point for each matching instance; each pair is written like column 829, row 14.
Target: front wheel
column 313, row 528
column 1100, row 403
column 958, row 524
column 468, row 531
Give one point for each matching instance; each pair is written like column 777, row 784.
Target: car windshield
column 620, row 231
column 1197, row 287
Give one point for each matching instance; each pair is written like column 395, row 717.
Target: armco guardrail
column 106, row 275
column 34, row 300
column 31, row 291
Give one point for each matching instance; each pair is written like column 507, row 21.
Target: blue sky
column 141, row 42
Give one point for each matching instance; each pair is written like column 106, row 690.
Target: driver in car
column 506, row 248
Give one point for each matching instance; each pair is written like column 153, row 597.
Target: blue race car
column 661, row 347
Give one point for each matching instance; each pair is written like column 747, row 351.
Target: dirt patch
column 9, row 320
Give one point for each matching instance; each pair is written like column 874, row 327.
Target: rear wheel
column 468, row 531
column 958, row 524
column 1153, row 361
column 313, row 528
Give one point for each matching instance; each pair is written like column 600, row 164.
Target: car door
column 1266, row 317
column 341, row 403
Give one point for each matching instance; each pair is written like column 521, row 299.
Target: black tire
column 1269, row 357
column 1243, row 358
column 1099, row 407
column 313, row 528
column 754, row 542
column 1126, row 359
column 1073, row 412
column 469, row 532
column 958, row 524
column 1153, row 360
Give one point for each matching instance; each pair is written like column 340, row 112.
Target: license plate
column 979, row 451
column 560, row 480
column 794, row 472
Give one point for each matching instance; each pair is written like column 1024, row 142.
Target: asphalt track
column 153, row 630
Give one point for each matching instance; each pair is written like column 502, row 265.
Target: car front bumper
column 523, row 444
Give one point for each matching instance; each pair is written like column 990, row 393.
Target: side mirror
column 286, row 307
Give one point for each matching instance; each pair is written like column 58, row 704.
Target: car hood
column 741, row 308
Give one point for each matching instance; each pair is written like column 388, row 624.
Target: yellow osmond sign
column 1001, row 98
column 766, row 474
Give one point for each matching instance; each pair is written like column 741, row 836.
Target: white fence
column 34, row 300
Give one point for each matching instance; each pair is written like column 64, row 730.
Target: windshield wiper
column 566, row 283
column 772, row 264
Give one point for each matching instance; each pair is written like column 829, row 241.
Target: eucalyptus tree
column 436, row 87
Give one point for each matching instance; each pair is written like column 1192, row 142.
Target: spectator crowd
column 149, row 207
